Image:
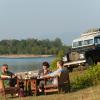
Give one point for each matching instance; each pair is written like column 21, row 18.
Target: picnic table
column 30, row 85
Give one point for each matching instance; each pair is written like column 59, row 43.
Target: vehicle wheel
column 90, row 61
column 96, row 62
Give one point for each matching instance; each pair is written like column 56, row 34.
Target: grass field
column 91, row 93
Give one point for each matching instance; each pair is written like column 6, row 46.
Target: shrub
column 54, row 64
column 59, row 57
column 89, row 78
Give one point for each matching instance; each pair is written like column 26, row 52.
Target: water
column 24, row 64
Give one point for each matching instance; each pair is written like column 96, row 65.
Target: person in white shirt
column 60, row 68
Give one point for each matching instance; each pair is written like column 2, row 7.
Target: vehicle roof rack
column 91, row 32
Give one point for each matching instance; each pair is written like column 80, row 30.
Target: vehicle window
column 80, row 43
column 91, row 41
column 88, row 42
column 97, row 40
column 75, row 44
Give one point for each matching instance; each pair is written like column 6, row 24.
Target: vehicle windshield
column 97, row 40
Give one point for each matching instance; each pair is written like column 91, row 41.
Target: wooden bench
column 62, row 86
column 7, row 90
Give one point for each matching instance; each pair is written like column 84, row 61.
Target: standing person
column 44, row 71
column 6, row 74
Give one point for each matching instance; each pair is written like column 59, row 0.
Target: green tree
column 60, row 54
column 31, row 46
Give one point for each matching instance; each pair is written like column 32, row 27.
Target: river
column 24, row 64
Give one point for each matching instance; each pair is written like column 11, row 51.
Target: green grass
column 92, row 93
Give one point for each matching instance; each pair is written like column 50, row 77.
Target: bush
column 59, row 57
column 89, row 78
column 54, row 64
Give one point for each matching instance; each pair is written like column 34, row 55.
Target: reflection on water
column 24, row 64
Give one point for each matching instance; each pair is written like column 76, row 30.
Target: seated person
column 44, row 71
column 5, row 74
column 60, row 69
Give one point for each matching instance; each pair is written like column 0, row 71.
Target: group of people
column 46, row 72
column 43, row 73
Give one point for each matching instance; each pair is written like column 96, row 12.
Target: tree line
column 32, row 46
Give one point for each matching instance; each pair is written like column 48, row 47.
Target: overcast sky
column 41, row 19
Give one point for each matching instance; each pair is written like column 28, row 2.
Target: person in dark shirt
column 44, row 71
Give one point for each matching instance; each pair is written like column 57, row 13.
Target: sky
column 48, row 19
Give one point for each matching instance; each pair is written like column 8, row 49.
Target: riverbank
column 24, row 56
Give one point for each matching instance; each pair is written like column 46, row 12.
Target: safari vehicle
column 85, row 50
